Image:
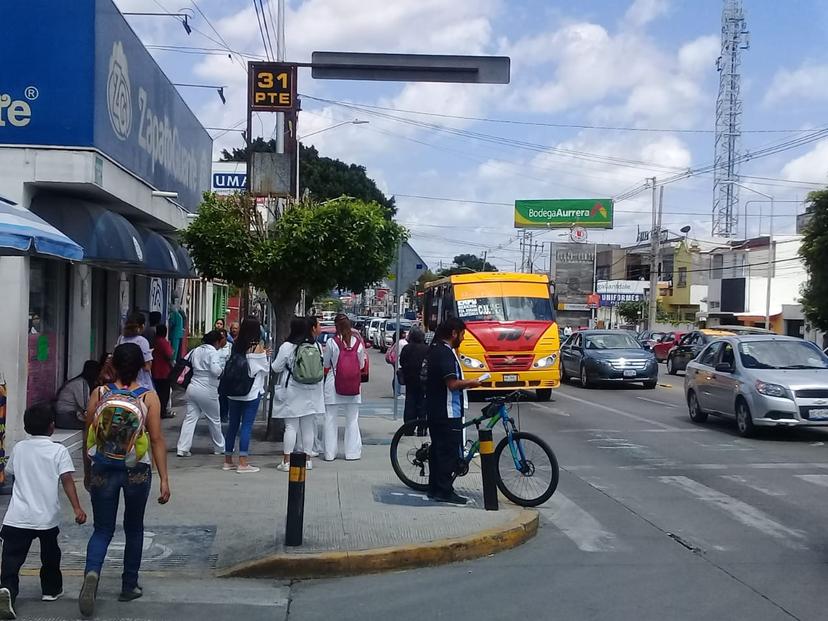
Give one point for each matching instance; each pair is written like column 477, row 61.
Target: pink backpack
column 347, row 374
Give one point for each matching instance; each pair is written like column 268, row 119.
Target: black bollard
column 489, row 470
column 296, row 500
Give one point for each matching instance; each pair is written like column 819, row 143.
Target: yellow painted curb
column 327, row 564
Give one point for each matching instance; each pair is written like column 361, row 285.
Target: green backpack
column 307, row 364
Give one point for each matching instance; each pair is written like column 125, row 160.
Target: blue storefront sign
column 229, row 181
column 614, row 299
column 82, row 78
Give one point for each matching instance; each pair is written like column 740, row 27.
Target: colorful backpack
column 347, row 374
column 117, row 435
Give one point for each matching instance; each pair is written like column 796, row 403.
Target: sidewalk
column 217, row 521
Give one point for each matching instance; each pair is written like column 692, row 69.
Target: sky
column 603, row 94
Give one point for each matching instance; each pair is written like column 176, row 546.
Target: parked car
column 607, row 356
column 760, row 381
column 650, row 337
column 373, row 326
column 689, row 347
column 390, row 330
column 665, row 344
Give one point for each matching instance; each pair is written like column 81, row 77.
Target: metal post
column 771, row 253
column 594, row 312
column 654, row 243
column 397, row 339
column 294, row 523
column 488, row 469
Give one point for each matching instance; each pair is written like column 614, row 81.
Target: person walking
column 345, row 358
column 162, row 366
column 248, row 361
column 124, row 427
column 446, row 402
column 149, row 331
column 392, row 357
column 411, row 363
column 133, row 333
column 299, row 365
column 176, row 329
column 38, row 466
column 202, row 394
column 318, row 418
column 71, row 400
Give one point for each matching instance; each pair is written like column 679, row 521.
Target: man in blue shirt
column 445, row 406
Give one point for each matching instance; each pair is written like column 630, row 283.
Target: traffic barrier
column 489, row 470
column 294, row 524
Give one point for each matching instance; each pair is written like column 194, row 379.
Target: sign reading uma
column 594, row 213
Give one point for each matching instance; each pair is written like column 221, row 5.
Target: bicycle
column 528, row 475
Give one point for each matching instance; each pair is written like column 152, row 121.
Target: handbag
column 400, row 377
column 182, row 373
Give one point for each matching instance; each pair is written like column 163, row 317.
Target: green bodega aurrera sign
column 564, row 213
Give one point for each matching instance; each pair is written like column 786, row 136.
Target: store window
column 46, row 319
column 682, row 277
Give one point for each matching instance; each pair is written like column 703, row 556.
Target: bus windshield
column 512, row 308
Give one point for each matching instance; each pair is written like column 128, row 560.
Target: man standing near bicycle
column 446, row 402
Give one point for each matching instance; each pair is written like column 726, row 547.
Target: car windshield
column 505, row 309
column 611, row 341
column 781, row 355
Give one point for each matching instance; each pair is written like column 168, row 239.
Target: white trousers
column 204, row 402
column 302, row 427
column 353, row 439
column 318, row 433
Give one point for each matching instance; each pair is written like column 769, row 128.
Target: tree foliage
column 814, row 253
column 323, row 177
column 632, row 311
column 464, row 263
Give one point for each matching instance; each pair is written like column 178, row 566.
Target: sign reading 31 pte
column 593, row 213
column 272, row 87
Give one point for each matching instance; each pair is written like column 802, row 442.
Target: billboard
column 573, row 271
column 565, row 213
column 87, row 81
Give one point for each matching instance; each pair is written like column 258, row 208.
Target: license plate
column 510, row 378
column 629, row 373
column 818, row 413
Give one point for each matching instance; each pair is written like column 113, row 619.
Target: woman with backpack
column 299, row 363
column 345, row 358
column 243, row 382
column 202, row 397
column 123, row 422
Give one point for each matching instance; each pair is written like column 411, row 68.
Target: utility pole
column 655, row 247
column 522, row 249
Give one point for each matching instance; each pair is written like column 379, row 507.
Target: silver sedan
column 769, row 381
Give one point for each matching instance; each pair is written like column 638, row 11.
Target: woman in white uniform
column 335, row 403
column 300, row 403
column 202, row 394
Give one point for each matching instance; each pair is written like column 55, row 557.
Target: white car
column 373, row 328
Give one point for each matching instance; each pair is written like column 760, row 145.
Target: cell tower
column 735, row 38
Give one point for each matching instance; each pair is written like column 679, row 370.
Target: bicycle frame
column 502, row 415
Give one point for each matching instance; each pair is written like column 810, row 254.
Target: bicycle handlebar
column 512, row 397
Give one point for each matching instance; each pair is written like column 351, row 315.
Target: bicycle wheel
column 527, row 471
column 409, row 454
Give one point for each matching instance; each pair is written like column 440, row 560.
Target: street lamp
column 319, row 131
column 770, row 248
column 184, row 17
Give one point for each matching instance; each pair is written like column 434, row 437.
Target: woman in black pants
column 411, row 361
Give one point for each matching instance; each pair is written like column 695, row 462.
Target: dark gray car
column 607, row 356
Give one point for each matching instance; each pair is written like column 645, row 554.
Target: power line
column 261, row 30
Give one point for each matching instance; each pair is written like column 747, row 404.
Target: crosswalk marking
column 740, row 511
column 737, row 478
column 582, row 529
column 816, row 479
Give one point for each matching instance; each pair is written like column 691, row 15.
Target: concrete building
column 99, row 144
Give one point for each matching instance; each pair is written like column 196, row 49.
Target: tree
column 814, row 253
column 632, row 312
column 324, row 178
column 464, row 263
column 344, row 243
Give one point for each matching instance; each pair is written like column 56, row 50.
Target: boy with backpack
column 38, row 464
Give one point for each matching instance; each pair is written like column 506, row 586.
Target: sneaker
column 218, row 453
column 454, row 499
column 130, row 594
column 184, row 454
column 6, row 608
column 246, row 469
column 313, row 454
column 51, row 598
column 283, row 466
column 89, row 591
column 227, row 466
column 309, row 465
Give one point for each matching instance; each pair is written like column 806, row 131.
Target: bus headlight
column 545, row 362
column 472, row 363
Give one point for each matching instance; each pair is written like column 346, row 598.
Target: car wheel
column 671, row 366
column 744, row 421
column 697, row 415
column 585, row 382
column 543, row 394
column 564, row 376
column 651, row 385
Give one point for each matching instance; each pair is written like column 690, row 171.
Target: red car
column 665, row 344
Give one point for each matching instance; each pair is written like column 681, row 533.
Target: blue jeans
column 105, row 490
column 240, row 413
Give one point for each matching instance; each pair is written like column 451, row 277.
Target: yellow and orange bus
column 511, row 332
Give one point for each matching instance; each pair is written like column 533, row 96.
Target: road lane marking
column 579, row 526
column 600, row 406
column 657, row 402
column 816, row 479
column 738, row 478
column 740, row 511
column 760, row 466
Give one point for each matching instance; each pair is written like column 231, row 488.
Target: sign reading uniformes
column 595, row 213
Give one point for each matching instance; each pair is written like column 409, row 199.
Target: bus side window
column 449, row 308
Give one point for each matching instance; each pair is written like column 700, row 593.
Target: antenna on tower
column 735, row 38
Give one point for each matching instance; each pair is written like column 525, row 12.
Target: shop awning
column 23, row 233
column 160, row 258
column 106, row 237
column 186, row 269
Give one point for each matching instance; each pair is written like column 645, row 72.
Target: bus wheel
column 543, row 394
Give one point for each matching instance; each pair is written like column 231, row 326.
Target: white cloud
column 807, row 83
column 812, row 166
column 642, row 12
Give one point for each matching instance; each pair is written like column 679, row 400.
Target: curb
column 349, row 563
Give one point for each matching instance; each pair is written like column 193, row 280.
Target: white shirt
column 207, row 366
column 257, row 368
column 297, row 399
column 331, row 359
column 37, row 464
